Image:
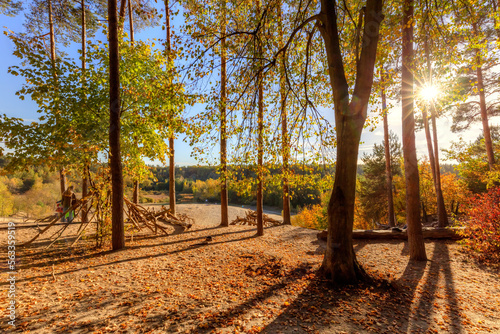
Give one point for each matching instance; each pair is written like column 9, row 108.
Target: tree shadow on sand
column 404, row 306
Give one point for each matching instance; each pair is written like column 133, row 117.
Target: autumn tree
column 10, row 7
column 373, row 193
column 415, row 237
column 476, row 25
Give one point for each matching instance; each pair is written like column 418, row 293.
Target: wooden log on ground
column 428, row 233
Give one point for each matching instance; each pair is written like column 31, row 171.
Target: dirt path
column 238, row 283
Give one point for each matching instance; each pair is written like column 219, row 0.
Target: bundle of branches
column 251, row 219
column 179, row 219
column 52, row 220
column 140, row 217
column 96, row 207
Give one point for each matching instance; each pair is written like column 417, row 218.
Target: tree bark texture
column 428, row 140
column 117, row 228
column 171, row 140
column 260, row 141
column 171, row 176
column 441, row 209
column 432, row 146
column 484, row 114
column 135, row 195
column 285, row 140
column 340, row 264
column 223, row 126
column 62, row 174
column 415, row 238
column 131, row 21
column 391, row 217
column 86, row 169
column 85, row 192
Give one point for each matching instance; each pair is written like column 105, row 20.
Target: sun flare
column 429, row 93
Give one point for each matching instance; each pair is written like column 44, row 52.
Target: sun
column 429, row 93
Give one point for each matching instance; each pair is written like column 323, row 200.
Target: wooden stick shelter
column 251, row 219
column 138, row 216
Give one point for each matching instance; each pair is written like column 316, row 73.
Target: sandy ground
column 239, row 283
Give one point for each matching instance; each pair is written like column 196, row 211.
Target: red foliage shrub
column 482, row 234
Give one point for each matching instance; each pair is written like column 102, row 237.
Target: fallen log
column 428, row 233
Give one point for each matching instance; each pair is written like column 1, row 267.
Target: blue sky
column 14, row 107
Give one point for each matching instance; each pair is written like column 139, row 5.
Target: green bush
column 208, row 190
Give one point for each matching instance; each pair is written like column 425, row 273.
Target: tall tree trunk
column 484, row 113
column 442, row 215
column 62, row 174
column 223, row 125
column 260, row 139
column 415, row 237
column 135, row 194
column 121, row 17
column 171, row 175
column 340, row 264
column 388, row 171
column 131, row 21
column 117, row 226
column 428, row 140
column 285, row 141
column 433, row 146
column 84, row 66
column 85, row 192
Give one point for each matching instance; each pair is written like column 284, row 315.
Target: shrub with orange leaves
column 482, row 233
column 313, row 216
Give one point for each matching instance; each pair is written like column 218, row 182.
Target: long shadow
column 409, row 281
column 130, row 304
column 128, row 259
column 349, row 309
column 440, row 263
column 231, row 314
column 93, row 255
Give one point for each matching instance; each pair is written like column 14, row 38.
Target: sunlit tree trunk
column 442, row 215
column 62, row 174
column 171, row 167
column 484, row 113
column 415, row 237
column 285, row 137
column 432, row 146
column 339, row 264
column 388, row 170
column 117, row 228
column 121, row 17
column 428, row 140
column 84, row 65
column 260, row 140
column 223, row 125
column 131, row 21
column 135, row 195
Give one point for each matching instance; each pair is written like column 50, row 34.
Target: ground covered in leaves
column 239, row 283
